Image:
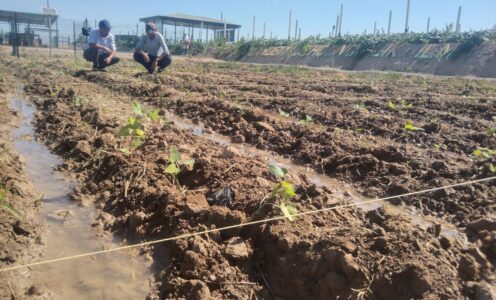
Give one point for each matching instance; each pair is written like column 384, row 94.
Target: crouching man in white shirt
column 101, row 49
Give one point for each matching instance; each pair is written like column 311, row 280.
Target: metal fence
column 67, row 35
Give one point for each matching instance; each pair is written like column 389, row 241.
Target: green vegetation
column 366, row 44
column 283, row 113
column 391, row 105
column 177, row 164
column 361, row 107
column 406, row 105
column 491, row 131
column 134, row 129
column 81, row 102
column 5, row 205
column 484, row 153
column 283, row 192
column 409, row 126
column 491, row 167
column 308, row 120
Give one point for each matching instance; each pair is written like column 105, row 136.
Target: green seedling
column 152, row 114
column 308, row 120
column 440, row 147
column 81, row 101
column 133, row 130
column 484, row 153
column 5, row 205
column 491, row 167
column 391, row 105
column 283, row 192
column 241, row 111
column 406, row 105
column 283, row 113
column 360, row 107
column 491, row 131
column 410, row 127
column 177, row 164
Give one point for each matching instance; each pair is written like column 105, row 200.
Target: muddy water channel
column 119, row 275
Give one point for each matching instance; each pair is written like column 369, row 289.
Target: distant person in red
column 151, row 50
column 101, row 49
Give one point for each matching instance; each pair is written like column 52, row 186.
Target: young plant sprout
column 406, row 105
column 5, row 205
column 484, row 153
column 391, row 105
column 134, row 129
column 81, row 101
column 308, row 120
column 361, row 107
column 410, row 127
column 283, row 192
column 283, row 113
column 491, row 131
column 491, row 167
column 177, row 164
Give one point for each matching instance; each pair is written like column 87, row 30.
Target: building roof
column 187, row 20
column 26, row 17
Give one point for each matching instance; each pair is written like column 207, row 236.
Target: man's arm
column 93, row 42
column 111, row 51
column 100, row 47
column 165, row 49
column 139, row 49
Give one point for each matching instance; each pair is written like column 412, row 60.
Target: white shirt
column 96, row 38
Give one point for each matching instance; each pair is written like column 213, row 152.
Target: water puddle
column 121, row 275
column 340, row 190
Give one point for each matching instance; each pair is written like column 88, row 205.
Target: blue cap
column 104, row 24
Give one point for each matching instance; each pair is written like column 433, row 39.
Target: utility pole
column 428, row 24
column 289, row 31
column 49, row 31
column 458, row 20
column 337, row 26
column 299, row 34
column 389, row 23
column 225, row 30
column 253, row 32
column 296, row 30
column 341, row 19
column 137, row 33
column 407, row 29
column 263, row 36
column 375, row 27
column 74, row 38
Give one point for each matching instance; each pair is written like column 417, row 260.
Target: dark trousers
column 98, row 60
column 162, row 64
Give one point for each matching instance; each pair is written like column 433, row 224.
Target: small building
column 27, row 28
column 175, row 27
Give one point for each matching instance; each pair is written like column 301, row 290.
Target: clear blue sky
column 315, row 16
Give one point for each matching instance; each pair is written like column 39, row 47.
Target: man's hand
column 108, row 60
column 154, row 65
column 146, row 57
column 105, row 49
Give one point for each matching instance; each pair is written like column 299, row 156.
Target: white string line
column 187, row 235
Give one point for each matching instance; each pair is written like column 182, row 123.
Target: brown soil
column 20, row 236
column 345, row 253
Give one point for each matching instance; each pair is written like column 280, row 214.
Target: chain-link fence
column 24, row 36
